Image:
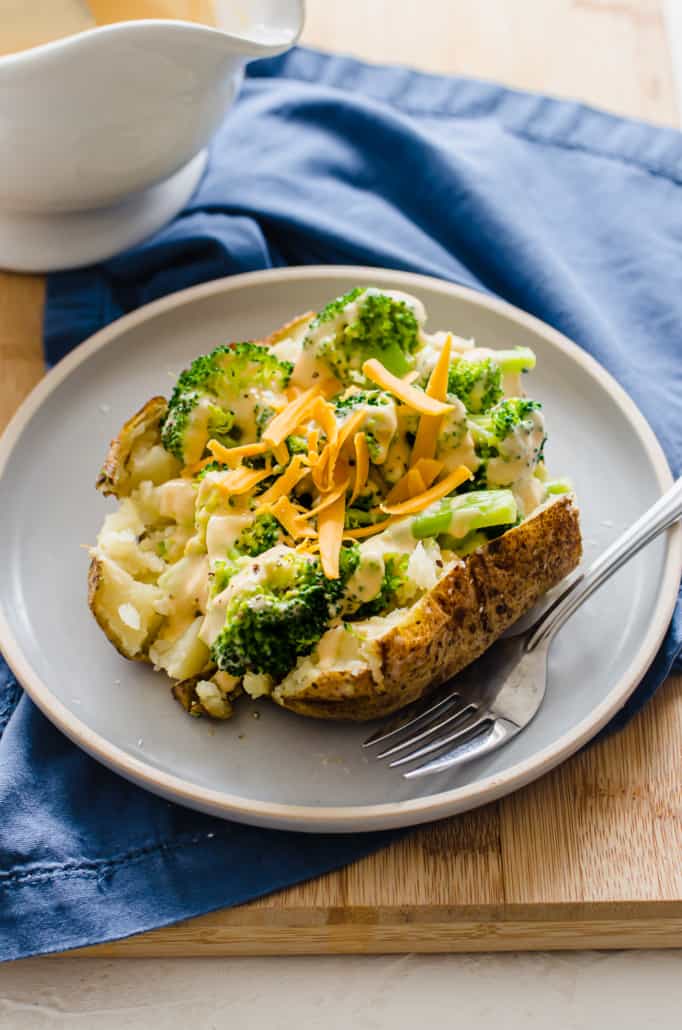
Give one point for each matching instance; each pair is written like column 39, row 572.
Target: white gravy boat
column 103, row 133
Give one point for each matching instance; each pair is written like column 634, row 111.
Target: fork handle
column 663, row 514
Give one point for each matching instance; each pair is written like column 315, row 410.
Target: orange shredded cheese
column 415, row 480
column 349, row 427
column 283, row 424
column 361, row 464
column 326, row 500
column 429, row 469
column 313, row 439
column 330, row 534
column 429, row 425
column 434, row 493
column 283, row 486
column 323, row 413
column 281, row 452
column 241, row 480
column 288, row 515
column 191, row 470
column 320, row 477
column 414, row 398
column 233, row 455
column 400, row 492
column 415, row 483
column 362, row 531
column 327, row 473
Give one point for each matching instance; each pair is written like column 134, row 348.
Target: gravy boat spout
column 104, row 133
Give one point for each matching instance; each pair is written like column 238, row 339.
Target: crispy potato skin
column 454, row 623
column 111, row 479
column 95, row 582
column 287, row 329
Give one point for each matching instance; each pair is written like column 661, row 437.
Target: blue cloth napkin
column 568, row 212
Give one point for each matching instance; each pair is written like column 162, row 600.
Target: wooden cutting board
column 591, row 855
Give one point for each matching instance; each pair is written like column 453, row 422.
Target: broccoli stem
column 519, row 359
column 459, row 515
column 559, row 486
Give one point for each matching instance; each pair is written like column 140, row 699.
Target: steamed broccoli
column 200, row 406
column 505, row 418
column 394, row 582
column 272, row 623
column 478, row 384
column 512, row 431
column 263, row 533
column 212, row 466
column 360, row 325
column 372, row 398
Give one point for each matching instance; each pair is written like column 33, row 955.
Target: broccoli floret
column 509, row 414
column 222, row 573
column 376, row 326
column 268, row 626
column 394, row 582
column 213, row 466
column 478, row 384
column 297, row 445
column 511, row 430
column 263, row 533
column 491, row 429
column 200, row 405
column 373, row 398
column 349, row 559
column 262, row 413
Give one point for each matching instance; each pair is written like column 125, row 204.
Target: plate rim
column 346, row 818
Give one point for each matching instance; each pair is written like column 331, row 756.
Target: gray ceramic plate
column 281, row 770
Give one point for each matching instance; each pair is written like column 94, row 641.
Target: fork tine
column 466, row 709
column 474, row 747
column 380, row 734
column 438, row 745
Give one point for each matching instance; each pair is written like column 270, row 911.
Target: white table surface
column 557, row 991
column 634, row 990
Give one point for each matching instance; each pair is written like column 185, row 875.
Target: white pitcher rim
column 64, row 44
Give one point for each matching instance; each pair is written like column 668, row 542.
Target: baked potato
column 339, row 517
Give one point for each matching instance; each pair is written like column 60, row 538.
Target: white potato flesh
column 118, row 597
column 183, row 657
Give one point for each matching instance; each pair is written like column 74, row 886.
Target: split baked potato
column 339, row 517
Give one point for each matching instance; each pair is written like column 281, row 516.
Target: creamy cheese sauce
column 176, row 500
column 222, row 532
column 381, row 420
column 518, row 452
column 185, row 586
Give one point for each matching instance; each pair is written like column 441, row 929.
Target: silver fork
column 497, row 696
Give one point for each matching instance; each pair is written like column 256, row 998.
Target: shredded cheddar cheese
column 283, row 486
column 232, row 456
column 190, row 471
column 435, row 493
column 290, row 518
column 330, row 534
column 283, row 424
column 240, row 480
column 414, row 398
column 415, row 483
column 363, row 531
column 429, row 425
column 326, row 500
column 415, row 480
column 281, row 452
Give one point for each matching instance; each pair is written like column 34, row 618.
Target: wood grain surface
column 589, row 856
